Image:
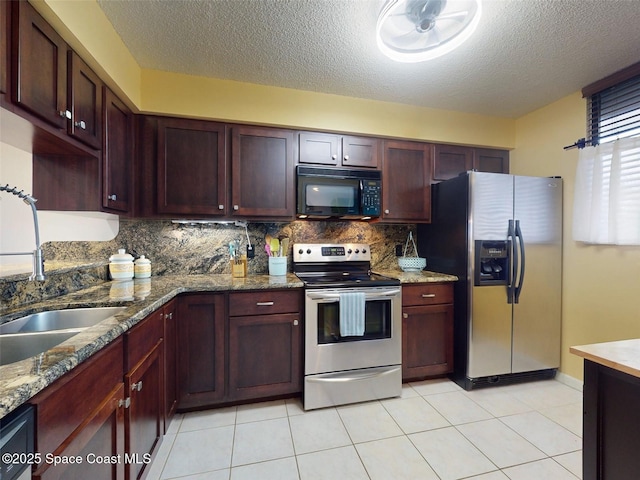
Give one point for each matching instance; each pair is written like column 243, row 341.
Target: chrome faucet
column 38, row 260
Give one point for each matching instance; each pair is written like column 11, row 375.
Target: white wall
column 16, row 220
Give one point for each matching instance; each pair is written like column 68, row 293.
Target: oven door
column 381, row 345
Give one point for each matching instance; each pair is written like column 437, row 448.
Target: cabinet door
column 170, row 312
column 84, row 100
column 191, row 167
column 406, row 182
column 200, row 350
column 145, row 416
column 319, row 148
column 262, row 172
column 116, row 153
column 5, row 36
column 491, row 160
column 265, row 356
column 361, row 152
column 40, row 66
column 427, row 341
column 101, row 436
column 449, row 161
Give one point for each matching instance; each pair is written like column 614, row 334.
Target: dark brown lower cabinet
column 611, row 424
column 264, row 356
column 201, row 350
column 82, row 413
column 170, row 312
column 427, row 330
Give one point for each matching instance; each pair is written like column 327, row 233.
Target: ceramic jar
column 121, row 265
column 142, row 267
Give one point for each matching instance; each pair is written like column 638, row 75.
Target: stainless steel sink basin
column 36, row 333
column 59, row 319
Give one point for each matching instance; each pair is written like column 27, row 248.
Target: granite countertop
column 22, row 380
column 623, row 355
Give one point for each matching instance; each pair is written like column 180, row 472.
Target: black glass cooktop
column 345, row 279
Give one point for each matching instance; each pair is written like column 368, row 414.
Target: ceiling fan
column 419, row 30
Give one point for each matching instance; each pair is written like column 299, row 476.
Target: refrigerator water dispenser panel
column 492, row 264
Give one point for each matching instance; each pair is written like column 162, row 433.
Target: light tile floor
column 436, row 430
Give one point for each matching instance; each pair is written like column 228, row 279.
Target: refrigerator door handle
column 514, row 263
column 518, row 288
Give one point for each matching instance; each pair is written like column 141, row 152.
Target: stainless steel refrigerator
column 502, row 236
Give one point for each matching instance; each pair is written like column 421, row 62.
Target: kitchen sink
column 36, row 333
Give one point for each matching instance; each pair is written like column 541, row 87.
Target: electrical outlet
column 250, row 251
column 399, row 250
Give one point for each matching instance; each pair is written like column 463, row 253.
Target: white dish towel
column 352, row 306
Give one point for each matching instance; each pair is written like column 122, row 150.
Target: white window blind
column 607, row 193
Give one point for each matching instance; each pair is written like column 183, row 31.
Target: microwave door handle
column 368, row 296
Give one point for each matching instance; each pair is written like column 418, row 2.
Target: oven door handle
column 350, row 376
column 335, row 297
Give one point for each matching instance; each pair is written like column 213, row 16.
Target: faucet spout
column 38, row 259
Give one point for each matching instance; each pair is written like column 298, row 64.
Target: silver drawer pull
column 264, row 304
column 428, row 295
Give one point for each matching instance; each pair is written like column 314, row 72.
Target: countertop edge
column 622, row 356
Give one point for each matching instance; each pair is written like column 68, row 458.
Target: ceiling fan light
column 400, row 36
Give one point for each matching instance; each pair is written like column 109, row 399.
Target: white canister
column 277, row 266
column 121, row 265
column 142, row 267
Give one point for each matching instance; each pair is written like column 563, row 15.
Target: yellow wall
column 600, row 283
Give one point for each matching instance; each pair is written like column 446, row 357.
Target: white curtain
column 607, row 194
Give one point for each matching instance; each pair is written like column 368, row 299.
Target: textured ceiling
column 525, row 53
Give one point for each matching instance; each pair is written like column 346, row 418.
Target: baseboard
column 569, row 381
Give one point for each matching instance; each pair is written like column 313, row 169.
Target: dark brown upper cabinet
column 262, row 172
column 406, row 188
column 338, row 150
column 5, row 41
column 117, row 153
column 450, row 161
column 191, row 167
column 491, row 160
column 84, row 102
column 39, row 66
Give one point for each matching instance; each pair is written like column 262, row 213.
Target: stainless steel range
column 353, row 326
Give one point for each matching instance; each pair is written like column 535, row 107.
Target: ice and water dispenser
column 492, row 262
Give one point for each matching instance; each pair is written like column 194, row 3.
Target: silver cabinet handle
column 346, row 158
column 112, row 197
column 405, row 315
column 126, row 403
column 264, row 304
column 295, row 323
column 236, row 207
column 81, row 124
column 136, row 386
column 334, row 156
column 65, row 114
column 387, row 212
column 428, row 295
column 220, row 207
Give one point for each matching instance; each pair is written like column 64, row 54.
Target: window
column 607, row 190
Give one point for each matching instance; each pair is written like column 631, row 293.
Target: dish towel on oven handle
column 352, row 307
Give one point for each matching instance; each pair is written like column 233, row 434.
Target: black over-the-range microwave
column 338, row 193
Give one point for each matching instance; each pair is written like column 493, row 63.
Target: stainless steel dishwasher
column 16, row 444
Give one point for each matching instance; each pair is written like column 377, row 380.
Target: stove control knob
column 300, row 251
column 357, row 251
column 364, row 250
column 308, row 250
column 349, row 251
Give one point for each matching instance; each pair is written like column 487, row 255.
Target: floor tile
column 338, row 463
column 438, row 385
column 497, row 475
column 545, row 434
column 450, row 454
column 215, row 475
column 457, row 408
column 499, row 443
column 218, row 417
column 199, row 451
column 394, row 458
column 569, row 416
column 281, row 469
column 498, row 401
column 572, row 462
column 155, row 470
column 174, row 424
column 318, row 430
column 540, row 469
column 414, row 414
column 294, row 406
column 408, row 391
column 368, row 421
column 254, row 412
column 261, row 441
column 545, row 394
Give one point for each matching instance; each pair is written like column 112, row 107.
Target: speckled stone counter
column 423, row 276
column 21, row 380
column 623, row 355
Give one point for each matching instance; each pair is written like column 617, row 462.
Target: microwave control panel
column 371, row 197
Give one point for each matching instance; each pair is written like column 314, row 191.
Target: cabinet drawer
column 427, row 294
column 142, row 338
column 264, row 303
